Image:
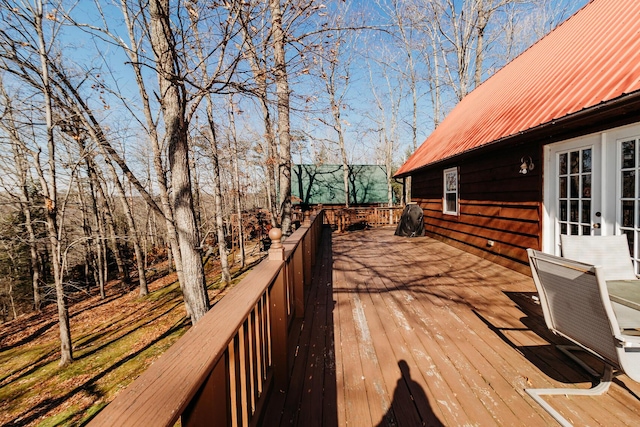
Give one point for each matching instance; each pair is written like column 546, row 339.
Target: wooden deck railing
column 343, row 218
column 223, row 369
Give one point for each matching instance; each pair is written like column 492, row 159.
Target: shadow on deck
column 414, row 332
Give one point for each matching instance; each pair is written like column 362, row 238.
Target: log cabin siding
column 496, row 204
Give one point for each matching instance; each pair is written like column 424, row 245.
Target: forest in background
column 135, row 131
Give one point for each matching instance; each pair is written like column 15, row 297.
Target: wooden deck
column 412, row 332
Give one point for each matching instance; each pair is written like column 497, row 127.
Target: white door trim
column 550, row 230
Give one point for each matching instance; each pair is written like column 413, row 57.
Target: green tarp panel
column 313, row 185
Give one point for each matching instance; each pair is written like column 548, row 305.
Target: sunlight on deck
column 411, row 331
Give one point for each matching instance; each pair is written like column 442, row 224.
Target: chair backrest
column 575, row 303
column 609, row 252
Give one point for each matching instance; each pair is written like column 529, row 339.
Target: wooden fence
column 343, row 219
column 224, row 368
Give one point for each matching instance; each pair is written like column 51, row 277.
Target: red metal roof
column 593, row 57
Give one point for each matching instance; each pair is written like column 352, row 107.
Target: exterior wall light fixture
column 526, row 164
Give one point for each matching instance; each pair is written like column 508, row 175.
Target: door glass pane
column 575, row 162
column 586, row 186
column 562, row 160
column 563, row 210
column 628, row 184
column 563, row 187
column 575, row 185
column 574, row 229
column 628, row 154
column 627, row 213
column 574, row 211
column 586, row 211
column 586, row 160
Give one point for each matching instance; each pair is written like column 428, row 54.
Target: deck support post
column 279, row 316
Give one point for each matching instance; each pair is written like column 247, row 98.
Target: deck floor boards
column 410, row 332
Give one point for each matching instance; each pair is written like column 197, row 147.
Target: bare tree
column 258, row 61
column 333, row 62
column 173, row 103
column 49, row 184
column 133, row 51
column 284, row 125
column 8, row 125
column 233, row 149
column 388, row 99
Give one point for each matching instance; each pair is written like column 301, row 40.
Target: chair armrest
column 628, row 341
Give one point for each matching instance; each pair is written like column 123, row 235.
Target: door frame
column 550, row 230
column 607, row 188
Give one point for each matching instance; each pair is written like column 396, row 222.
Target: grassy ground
column 114, row 340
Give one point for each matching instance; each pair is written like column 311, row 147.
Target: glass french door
column 575, row 196
column 629, row 196
column 572, row 191
column 592, row 187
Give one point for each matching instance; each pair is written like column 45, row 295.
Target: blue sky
column 360, row 113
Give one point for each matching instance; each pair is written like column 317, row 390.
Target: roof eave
column 628, row 103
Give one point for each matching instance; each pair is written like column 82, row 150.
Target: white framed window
column 450, row 198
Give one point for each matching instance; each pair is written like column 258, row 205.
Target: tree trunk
column 436, row 83
column 260, row 76
column 483, row 18
column 33, row 249
column 25, row 204
column 284, row 135
column 337, row 126
column 133, row 231
column 236, row 182
column 172, row 101
column 161, row 178
column 50, row 198
column 217, row 182
column 220, row 234
column 88, row 235
column 100, row 240
column 114, row 245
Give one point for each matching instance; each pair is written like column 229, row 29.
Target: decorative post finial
column 276, row 250
column 307, row 219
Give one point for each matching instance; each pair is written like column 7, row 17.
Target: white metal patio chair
column 612, row 254
column 609, row 252
column 576, row 306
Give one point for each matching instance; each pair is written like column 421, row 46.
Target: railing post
column 276, row 250
column 278, row 316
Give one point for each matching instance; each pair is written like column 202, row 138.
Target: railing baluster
column 267, row 328
column 253, row 386
column 259, row 344
column 242, row 375
column 233, row 381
